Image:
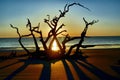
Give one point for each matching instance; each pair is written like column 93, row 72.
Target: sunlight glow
column 55, row 46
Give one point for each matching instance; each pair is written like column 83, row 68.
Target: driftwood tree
column 82, row 36
column 55, row 30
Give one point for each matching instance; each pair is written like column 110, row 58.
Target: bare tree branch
column 67, row 7
column 70, row 39
column 85, row 21
column 61, row 32
column 83, row 6
column 83, row 34
column 20, row 37
column 26, row 35
column 16, row 29
column 48, row 17
column 29, row 24
column 43, row 42
column 36, row 28
column 33, row 35
column 47, row 21
column 90, row 23
column 49, row 36
column 59, row 27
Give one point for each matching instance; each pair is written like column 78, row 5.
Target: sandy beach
column 101, row 64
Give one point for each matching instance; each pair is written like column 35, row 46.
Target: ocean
column 100, row 42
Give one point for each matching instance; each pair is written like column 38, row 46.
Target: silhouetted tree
column 53, row 24
column 82, row 36
column 54, row 31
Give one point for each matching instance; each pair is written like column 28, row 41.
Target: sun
column 55, row 46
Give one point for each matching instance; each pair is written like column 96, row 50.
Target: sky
column 16, row 12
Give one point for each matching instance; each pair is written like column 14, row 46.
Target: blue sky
column 16, row 12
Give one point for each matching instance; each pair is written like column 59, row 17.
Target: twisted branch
column 20, row 37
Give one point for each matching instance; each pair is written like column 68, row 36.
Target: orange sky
column 108, row 16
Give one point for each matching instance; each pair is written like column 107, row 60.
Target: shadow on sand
column 46, row 71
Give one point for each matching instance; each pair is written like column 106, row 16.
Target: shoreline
column 100, row 64
column 32, row 49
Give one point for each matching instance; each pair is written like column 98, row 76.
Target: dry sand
column 102, row 64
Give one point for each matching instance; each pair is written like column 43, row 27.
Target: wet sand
column 101, row 64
